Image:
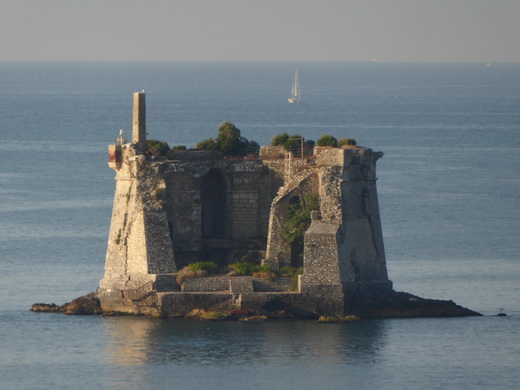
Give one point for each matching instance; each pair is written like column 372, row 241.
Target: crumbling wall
column 344, row 246
column 305, row 182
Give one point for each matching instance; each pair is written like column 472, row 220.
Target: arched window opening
column 214, row 205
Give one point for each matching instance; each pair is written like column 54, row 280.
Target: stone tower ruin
column 201, row 206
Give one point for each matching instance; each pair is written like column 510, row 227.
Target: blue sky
column 261, row 30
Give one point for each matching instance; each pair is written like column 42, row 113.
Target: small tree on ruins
column 229, row 142
column 327, row 140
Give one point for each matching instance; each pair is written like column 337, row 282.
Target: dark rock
column 86, row 305
column 45, row 307
column 404, row 305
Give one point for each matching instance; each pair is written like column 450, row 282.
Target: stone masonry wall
column 158, row 215
column 321, row 257
column 250, row 188
column 245, row 212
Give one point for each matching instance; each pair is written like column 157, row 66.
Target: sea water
column 449, row 194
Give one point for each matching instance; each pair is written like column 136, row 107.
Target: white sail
column 295, row 90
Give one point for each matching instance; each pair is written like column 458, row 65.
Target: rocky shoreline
column 86, row 305
column 405, row 305
column 395, row 305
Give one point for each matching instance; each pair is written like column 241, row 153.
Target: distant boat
column 295, row 90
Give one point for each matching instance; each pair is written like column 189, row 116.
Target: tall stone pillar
column 139, row 121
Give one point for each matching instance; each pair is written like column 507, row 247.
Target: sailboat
column 295, row 90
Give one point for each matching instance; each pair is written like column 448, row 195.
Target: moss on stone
column 334, row 319
column 201, row 314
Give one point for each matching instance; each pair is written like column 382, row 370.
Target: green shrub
column 228, row 139
column 243, row 268
column 299, row 218
column 252, row 148
column 291, row 272
column 346, row 141
column 157, row 148
column 230, row 143
column 292, row 143
column 208, row 144
column 250, row 269
column 327, row 140
column 173, row 153
column 263, row 268
column 207, row 266
column 279, row 139
column 186, row 273
column 310, row 143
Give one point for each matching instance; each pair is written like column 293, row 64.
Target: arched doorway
column 213, row 191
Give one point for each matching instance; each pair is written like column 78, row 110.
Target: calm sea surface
column 449, row 193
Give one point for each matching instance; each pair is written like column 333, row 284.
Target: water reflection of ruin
column 142, row 341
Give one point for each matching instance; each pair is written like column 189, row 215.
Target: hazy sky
column 260, row 30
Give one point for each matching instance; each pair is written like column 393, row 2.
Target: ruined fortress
column 202, row 207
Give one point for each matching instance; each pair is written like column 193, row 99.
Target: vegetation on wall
column 207, row 266
column 291, row 272
column 280, row 139
column 172, row 153
column 327, row 140
column 229, row 142
column 207, row 144
column 196, row 270
column 291, row 142
column 202, row 269
column 157, row 148
column 346, row 141
column 299, row 218
column 247, row 268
